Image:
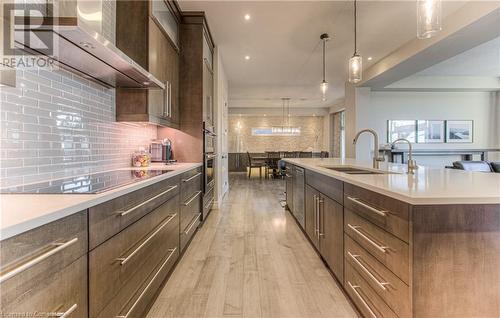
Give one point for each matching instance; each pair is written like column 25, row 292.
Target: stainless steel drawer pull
column 374, row 210
column 209, row 203
column 188, row 202
column 124, row 260
column 383, row 249
column 193, row 177
column 123, row 213
column 363, row 301
column 192, row 224
column 379, row 283
column 57, row 248
column 67, row 312
column 144, row 291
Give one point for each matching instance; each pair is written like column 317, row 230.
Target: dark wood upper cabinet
column 196, row 96
column 151, row 38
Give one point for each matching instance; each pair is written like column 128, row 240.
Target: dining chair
column 252, row 163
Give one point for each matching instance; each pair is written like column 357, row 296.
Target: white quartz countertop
column 22, row 212
column 427, row 186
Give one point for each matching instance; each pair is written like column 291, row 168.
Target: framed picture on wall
column 430, row 131
column 459, row 131
column 401, row 129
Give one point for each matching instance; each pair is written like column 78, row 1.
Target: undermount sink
column 352, row 170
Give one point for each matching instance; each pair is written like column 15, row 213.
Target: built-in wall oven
column 209, row 164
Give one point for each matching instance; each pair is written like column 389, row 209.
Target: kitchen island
column 423, row 245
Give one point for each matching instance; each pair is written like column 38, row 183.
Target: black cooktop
column 86, row 184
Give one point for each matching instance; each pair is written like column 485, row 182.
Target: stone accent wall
column 241, row 139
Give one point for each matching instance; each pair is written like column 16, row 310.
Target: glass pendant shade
column 355, row 68
column 428, row 18
column 324, row 88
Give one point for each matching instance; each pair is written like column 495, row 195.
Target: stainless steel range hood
column 77, row 46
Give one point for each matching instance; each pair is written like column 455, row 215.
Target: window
column 401, row 129
column 276, row 131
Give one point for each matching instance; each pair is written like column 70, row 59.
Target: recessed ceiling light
column 265, row 115
column 247, row 17
column 247, row 57
column 370, row 58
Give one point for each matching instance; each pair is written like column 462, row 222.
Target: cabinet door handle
column 123, row 213
column 124, row 260
column 192, row 224
column 381, row 248
column 315, row 214
column 369, row 207
column 321, row 213
column 170, row 99
column 192, row 198
column 144, row 291
column 68, row 312
column 189, row 179
column 363, row 267
column 363, row 301
column 57, row 247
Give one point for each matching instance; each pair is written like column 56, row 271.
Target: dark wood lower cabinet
column 51, row 294
column 311, row 215
column 331, row 235
column 395, row 259
column 121, row 264
column 51, row 271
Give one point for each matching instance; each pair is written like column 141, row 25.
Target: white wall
column 221, row 115
column 375, row 108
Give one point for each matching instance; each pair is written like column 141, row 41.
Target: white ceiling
column 282, row 39
column 483, row 60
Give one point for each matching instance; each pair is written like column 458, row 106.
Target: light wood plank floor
column 250, row 259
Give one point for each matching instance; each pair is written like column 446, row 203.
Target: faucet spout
column 412, row 164
column 376, row 156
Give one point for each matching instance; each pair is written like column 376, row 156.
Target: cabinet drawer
column 387, row 285
column 189, row 209
column 50, row 294
column 190, row 183
column 329, row 186
column 145, row 295
column 30, row 257
column 109, row 218
column 385, row 247
column 120, row 265
column 189, row 231
column 386, row 212
column 365, row 298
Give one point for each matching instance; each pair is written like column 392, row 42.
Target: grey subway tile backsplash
column 58, row 124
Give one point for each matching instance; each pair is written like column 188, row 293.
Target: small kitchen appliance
column 161, row 151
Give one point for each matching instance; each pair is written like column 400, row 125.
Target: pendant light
column 324, row 84
column 428, row 18
column 356, row 61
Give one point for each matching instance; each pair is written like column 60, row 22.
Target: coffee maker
column 161, row 151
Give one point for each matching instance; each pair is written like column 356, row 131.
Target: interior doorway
column 337, row 140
